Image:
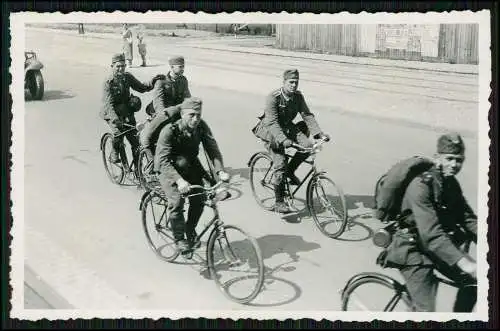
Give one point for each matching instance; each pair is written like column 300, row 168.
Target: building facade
column 451, row 43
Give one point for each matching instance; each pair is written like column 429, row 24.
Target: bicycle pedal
column 188, row 254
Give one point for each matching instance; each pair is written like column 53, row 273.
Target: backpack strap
column 434, row 186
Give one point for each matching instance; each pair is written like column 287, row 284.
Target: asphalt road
column 83, row 234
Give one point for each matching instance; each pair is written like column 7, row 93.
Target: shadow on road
column 359, row 201
column 242, row 172
column 50, row 95
column 275, row 291
column 355, row 230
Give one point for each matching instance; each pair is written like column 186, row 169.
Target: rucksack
column 391, row 186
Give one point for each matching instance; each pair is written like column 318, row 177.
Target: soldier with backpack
column 434, row 220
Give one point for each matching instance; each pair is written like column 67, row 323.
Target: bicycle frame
column 313, row 171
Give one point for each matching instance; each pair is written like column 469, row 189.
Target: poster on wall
column 411, row 38
column 396, row 36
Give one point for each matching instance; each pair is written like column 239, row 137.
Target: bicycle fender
column 255, row 155
column 143, row 198
column 372, row 275
column 319, row 173
column 312, row 181
column 102, row 140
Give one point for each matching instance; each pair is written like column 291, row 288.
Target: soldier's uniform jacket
column 280, row 111
column 116, row 95
column 169, row 92
column 440, row 221
column 175, row 141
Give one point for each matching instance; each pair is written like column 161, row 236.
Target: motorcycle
column 33, row 79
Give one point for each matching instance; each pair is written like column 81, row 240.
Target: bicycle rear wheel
column 157, row 227
column 260, row 180
column 327, row 206
column 375, row 292
column 235, row 263
column 115, row 172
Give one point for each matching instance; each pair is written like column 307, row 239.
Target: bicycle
column 333, row 202
column 222, row 250
column 368, row 285
column 117, row 172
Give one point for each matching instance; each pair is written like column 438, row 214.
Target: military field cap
column 291, row 74
column 118, row 57
column 192, row 103
column 176, row 60
column 450, row 143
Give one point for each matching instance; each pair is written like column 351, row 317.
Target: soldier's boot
column 292, row 166
column 280, row 206
column 191, row 238
column 182, row 246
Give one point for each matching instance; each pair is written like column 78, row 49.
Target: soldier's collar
column 172, row 78
column 287, row 98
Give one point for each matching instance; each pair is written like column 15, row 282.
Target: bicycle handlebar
column 313, row 149
column 206, row 190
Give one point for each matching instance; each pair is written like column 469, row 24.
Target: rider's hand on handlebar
column 287, row 143
column 323, row 136
column 468, row 266
column 224, row 176
column 182, row 186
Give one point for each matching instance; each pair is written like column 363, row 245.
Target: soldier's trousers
column 298, row 133
column 118, row 140
column 422, row 286
column 193, row 172
column 142, row 51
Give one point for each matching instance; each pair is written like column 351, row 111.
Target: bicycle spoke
column 158, row 232
column 354, row 297
column 327, row 206
column 235, row 264
column 260, row 181
column 375, row 294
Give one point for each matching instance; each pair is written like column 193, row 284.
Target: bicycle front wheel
column 235, row 263
column 373, row 292
column 260, row 181
column 327, row 206
column 115, row 171
column 157, row 227
column 145, row 165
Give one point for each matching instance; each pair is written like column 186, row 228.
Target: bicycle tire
column 148, row 200
column 253, row 182
column 400, row 292
column 311, row 189
column 108, row 138
column 214, row 235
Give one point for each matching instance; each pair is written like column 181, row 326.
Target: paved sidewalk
column 416, row 65
column 222, row 44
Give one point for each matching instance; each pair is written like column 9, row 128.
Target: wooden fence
column 452, row 43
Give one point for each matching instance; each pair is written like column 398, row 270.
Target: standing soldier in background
column 141, row 44
column 127, row 44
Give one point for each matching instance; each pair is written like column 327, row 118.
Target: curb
column 338, row 61
column 43, row 290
